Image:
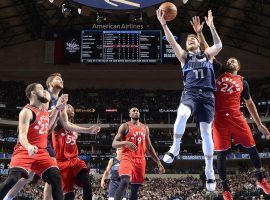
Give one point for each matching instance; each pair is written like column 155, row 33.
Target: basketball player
column 133, row 138
column 23, row 181
column 30, row 153
column 198, row 94
column 72, row 169
column 231, row 88
column 112, row 173
column 230, row 123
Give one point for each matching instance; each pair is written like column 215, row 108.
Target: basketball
column 170, row 10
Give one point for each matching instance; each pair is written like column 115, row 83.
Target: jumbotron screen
column 121, row 46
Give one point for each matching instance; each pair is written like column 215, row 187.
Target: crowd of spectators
column 111, row 105
column 184, row 188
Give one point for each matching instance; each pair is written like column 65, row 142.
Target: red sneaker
column 227, row 195
column 264, row 185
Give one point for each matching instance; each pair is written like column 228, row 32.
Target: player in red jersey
column 30, row 153
column 133, row 138
column 72, row 169
column 229, row 121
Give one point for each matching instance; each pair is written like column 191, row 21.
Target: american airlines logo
column 119, row 4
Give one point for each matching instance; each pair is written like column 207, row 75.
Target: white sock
column 176, row 144
column 209, row 171
column 208, row 148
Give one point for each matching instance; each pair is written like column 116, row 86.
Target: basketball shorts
column 69, row 170
column 230, row 126
column 133, row 167
column 201, row 103
column 39, row 163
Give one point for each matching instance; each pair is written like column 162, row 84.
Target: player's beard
column 42, row 99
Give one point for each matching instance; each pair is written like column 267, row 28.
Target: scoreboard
column 121, row 46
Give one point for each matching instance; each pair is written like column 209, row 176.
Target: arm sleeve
column 246, row 92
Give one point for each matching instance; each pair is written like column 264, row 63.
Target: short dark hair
column 51, row 77
column 31, row 87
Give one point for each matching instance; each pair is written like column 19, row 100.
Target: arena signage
column 119, row 4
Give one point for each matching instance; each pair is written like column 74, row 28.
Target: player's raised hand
column 209, row 19
column 62, row 101
column 160, row 16
column 196, row 24
column 32, row 150
column 131, row 146
column 94, row 129
column 264, row 131
column 161, row 169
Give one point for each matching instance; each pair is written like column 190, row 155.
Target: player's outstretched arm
column 106, row 173
column 152, row 152
column 73, row 127
column 118, row 139
column 179, row 52
column 25, row 117
column 216, row 48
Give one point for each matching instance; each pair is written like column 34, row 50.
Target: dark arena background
column 113, row 55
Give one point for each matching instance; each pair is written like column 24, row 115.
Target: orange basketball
column 169, row 9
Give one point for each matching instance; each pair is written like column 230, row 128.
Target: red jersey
column 65, row 144
column 228, row 94
column 38, row 130
column 136, row 134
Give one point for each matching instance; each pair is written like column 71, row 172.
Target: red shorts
column 39, row 163
column 69, row 170
column 133, row 167
column 228, row 126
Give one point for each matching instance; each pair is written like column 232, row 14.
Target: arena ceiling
column 244, row 24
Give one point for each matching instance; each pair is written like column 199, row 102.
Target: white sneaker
column 170, row 155
column 211, row 185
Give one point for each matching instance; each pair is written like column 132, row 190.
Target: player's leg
column 85, row 181
column 47, row 192
column 256, row 161
column 137, row 177
column 15, row 174
column 205, row 116
column 19, row 186
column 124, row 182
column 208, row 151
column 52, row 176
column 125, row 173
column 183, row 113
column 243, row 135
column 134, row 191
